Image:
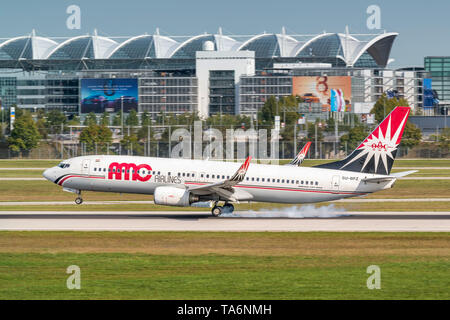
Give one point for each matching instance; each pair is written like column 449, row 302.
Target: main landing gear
column 218, row 210
column 79, row 200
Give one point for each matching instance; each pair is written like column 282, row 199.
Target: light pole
column 121, row 112
column 221, row 110
column 277, row 99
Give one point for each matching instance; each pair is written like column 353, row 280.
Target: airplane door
column 85, row 166
column 335, row 183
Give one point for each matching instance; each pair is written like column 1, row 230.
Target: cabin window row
column 214, row 176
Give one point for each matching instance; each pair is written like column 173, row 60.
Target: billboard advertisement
column 110, row 95
column 430, row 98
column 334, row 93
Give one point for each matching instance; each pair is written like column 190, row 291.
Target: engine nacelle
column 170, row 196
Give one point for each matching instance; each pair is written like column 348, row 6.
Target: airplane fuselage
column 262, row 183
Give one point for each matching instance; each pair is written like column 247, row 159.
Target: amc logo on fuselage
column 129, row 171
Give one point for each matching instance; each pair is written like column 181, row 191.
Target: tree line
column 30, row 128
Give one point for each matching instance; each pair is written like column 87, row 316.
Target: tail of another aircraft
column 377, row 153
column 298, row 160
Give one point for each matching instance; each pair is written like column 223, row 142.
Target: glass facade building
column 8, row 91
column 167, row 94
column 48, row 72
column 439, row 69
column 221, row 92
column 255, row 90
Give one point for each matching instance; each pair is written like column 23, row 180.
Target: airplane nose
column 49, row 175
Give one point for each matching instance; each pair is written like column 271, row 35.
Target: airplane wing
column 225, row 188
column 390, row 177
column 298, row 160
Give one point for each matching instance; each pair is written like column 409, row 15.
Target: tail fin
column 377, row 153
column 297, row 161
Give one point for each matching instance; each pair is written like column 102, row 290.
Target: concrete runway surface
column 239, row 221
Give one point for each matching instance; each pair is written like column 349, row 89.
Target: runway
column 240, row 221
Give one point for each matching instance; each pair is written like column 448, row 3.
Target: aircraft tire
column 216, row 211
column 78, row 200
column 228, row 208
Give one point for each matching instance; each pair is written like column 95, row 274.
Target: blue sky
column 424, row 26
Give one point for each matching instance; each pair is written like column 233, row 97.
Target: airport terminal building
column 207, row 73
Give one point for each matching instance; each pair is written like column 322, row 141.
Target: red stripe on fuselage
column 238, row 186
column 77, row 176
column 283, row 189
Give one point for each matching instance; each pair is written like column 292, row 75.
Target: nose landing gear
column 79, row 200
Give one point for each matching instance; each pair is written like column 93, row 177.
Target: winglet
column 240, row 174
column 298, row 160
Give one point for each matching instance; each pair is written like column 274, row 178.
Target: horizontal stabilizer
column 392, row 176
column 379, row 179
column 403, row 173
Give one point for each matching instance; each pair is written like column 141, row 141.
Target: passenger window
column 223, row 177
column 187, row 174
column 278, row 180
column 296, row 182
column 306, row 182
column 317, row 183
column 262, row 179
column 282, row 181
column 257, row 179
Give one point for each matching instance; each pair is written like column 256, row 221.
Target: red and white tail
column 377, row 152
column 240, row 174
column 297, row 161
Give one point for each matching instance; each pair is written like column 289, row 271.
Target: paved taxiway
column 240, row 221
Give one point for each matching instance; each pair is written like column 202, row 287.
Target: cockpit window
column 63, row 165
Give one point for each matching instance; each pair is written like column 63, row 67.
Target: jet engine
column 170, row 196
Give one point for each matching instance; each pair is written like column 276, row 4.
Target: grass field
column 185, row 265
column 224, row 265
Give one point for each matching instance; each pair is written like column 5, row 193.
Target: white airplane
column 184, row 182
